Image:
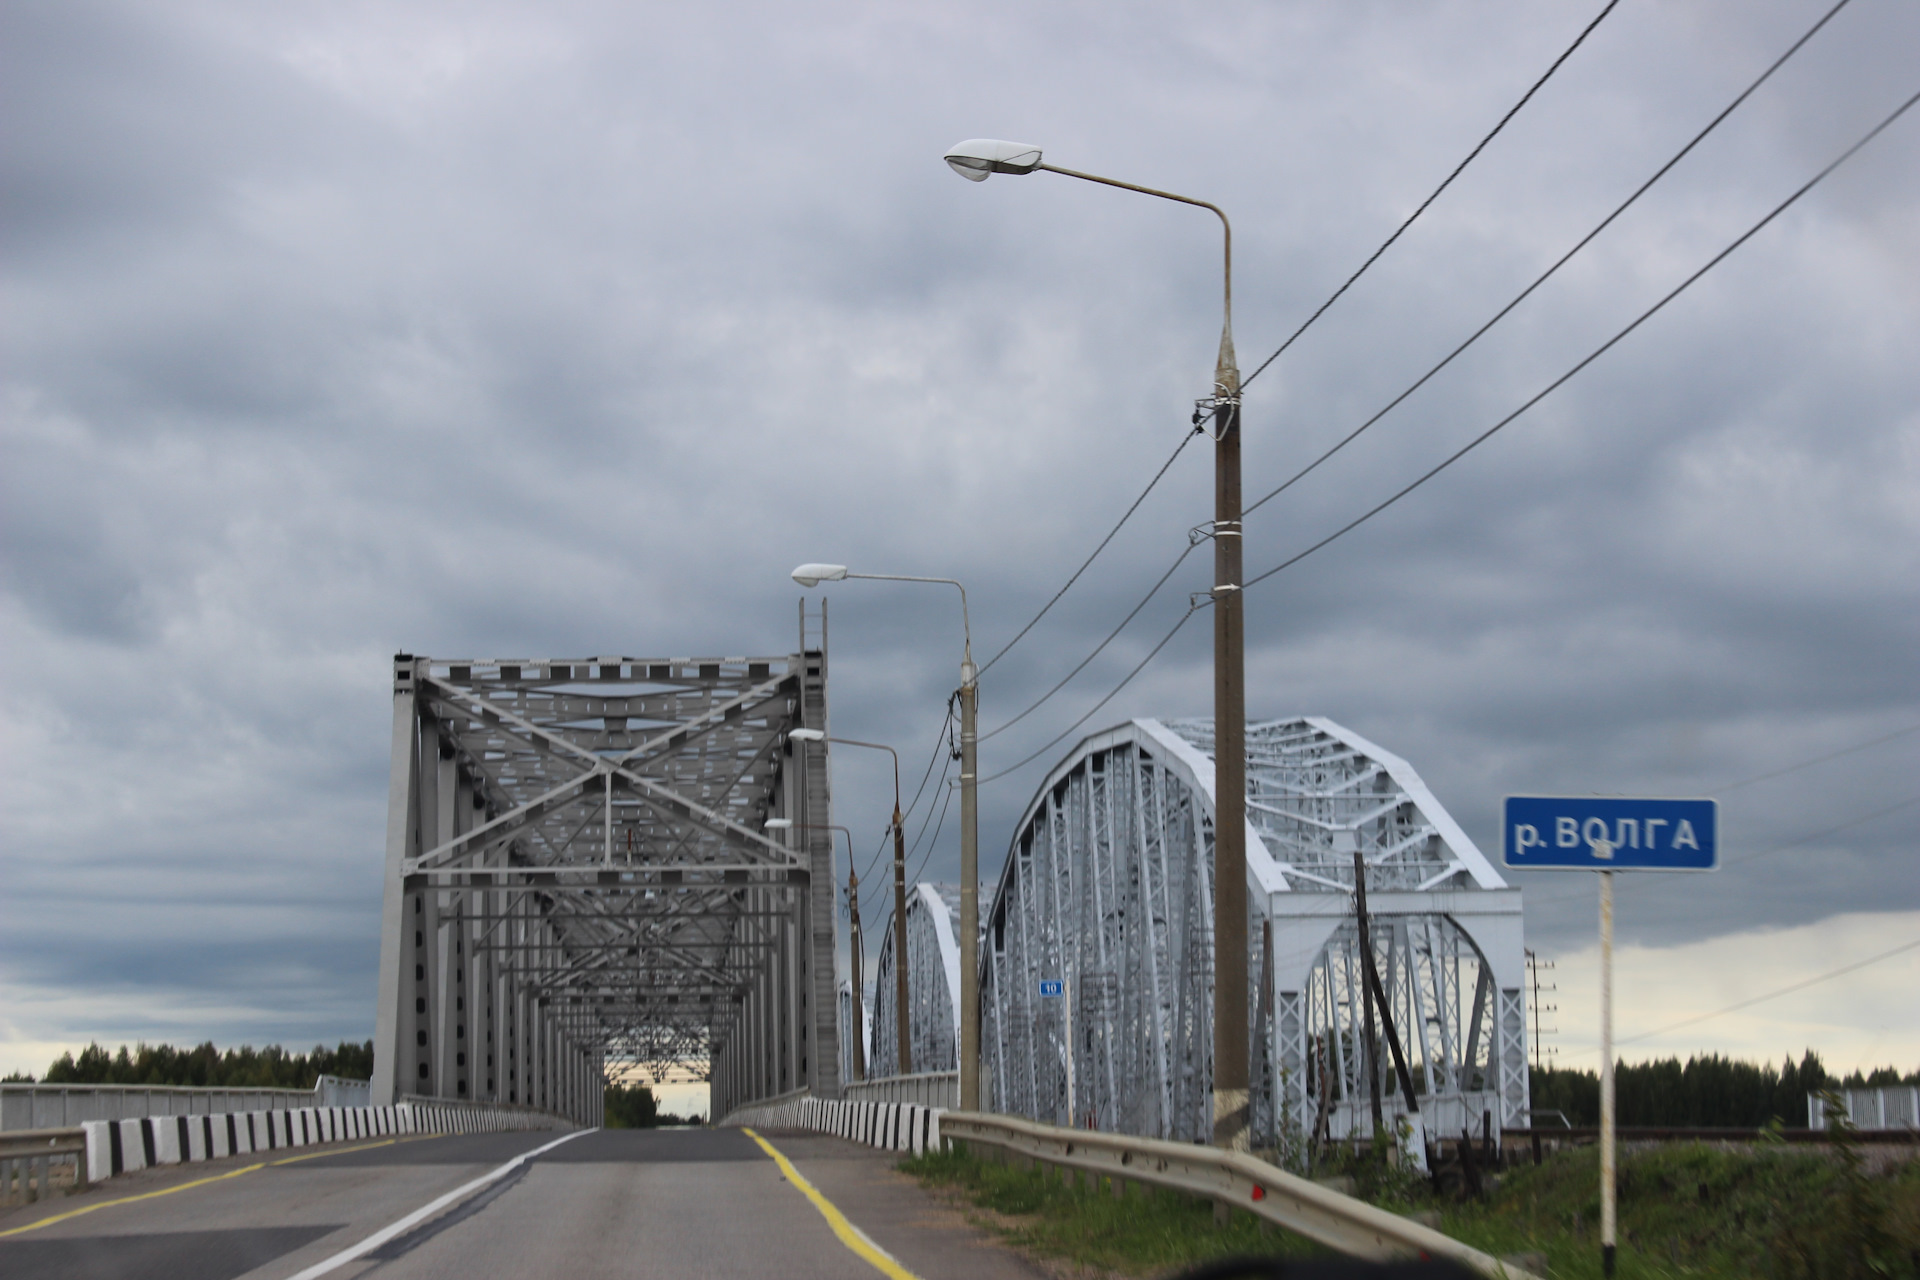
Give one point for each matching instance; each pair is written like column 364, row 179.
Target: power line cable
column 1127, row 680
column 1097, row 649
column 1177, row 450
column 1308, row 323
column 1542, row 278
column 1848, row 825
column 1597, row 352
column 1807, row 764
column 1480, row 439
column 1457, row 170
column 1477, row 334
column 938, row 740
column 1771, row 995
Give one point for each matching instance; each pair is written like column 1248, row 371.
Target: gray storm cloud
column 335, row 331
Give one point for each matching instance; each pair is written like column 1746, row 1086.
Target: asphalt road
column 628, row 1203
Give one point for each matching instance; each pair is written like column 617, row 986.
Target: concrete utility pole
column 901, row 1021
column 853, row 910
column 969, row 885
column 812, row 575
column 976, row 160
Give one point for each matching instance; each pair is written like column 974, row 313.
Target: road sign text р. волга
column 1602, row 833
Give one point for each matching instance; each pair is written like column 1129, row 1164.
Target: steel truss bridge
column 1107, row 892
column 579, row 881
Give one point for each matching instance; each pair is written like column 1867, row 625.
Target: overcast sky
column 481, row 329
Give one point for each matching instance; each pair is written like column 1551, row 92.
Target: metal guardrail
column 1340, row 1222
column 27, row 1162
column 926, row 1089
column 54, row 1106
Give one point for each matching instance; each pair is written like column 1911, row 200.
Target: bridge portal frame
column 578, row 881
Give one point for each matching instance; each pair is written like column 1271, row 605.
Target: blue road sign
column 1052, row 988
column 1596, row 833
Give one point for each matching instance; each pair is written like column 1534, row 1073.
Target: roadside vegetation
column 1149, row 1232
column 1760, row 1211
column 635, row 1107
column 207, row 1067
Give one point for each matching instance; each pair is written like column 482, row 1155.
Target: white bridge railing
column 60, row 1106
column 927, row 1089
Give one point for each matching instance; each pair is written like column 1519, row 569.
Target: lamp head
column 977, row 158
column 812, row 575
column 779, row 824
column 806, row 735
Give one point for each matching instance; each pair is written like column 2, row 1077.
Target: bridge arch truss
column 1107, row 891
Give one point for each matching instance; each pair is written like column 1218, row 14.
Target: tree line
column 1708, row 1092
column 635, row 1107
column 207, row 1067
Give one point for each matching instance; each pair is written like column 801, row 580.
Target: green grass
column 1686, row 1210
column 1149, row 1232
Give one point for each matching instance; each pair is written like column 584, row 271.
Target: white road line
column 420, row 1215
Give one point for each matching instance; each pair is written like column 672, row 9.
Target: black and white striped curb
column 122, row 1146
column 891, row 1126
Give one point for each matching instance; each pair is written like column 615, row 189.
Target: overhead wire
column 1037, row 703
column 1435, row 195
column 1802, row 985
column 1177, row 450
column 1474, row 443
column 1807, row 764
column 939, row 740
column 1308, row 323
column 1595, row 354
column 1562, row 261
column 1863, row 819
column 1114, row 692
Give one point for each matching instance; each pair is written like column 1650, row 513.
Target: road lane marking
column 851, row 1236
column 421, row 1214
column 147, row 1195
column 200, row 1182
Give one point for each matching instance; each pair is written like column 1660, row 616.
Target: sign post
column 1607, row 834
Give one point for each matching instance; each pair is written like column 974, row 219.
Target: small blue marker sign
column 1596, row 833
column 1052, row 988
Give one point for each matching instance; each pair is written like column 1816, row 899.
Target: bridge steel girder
column 1107, row 888
column 933, row 984
column 579, row 884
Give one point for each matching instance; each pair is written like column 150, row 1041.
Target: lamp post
column 853, row 909
column 976, row 160
column 812, row 575
column 904, row 1038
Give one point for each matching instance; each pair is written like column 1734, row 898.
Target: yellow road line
column 200, row 1182
column 851, row 1236
column 149, row 1195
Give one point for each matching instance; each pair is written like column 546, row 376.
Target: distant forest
column 207, row 1067
column 634, row 1107
column 1708, row 1092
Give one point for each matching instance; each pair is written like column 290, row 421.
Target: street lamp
column 976, row 160
column 854, row 958
column 904, row 1037
column 812, row 575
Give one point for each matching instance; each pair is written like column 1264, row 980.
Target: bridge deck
column 694, row 1203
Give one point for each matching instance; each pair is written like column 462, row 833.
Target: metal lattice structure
column 933, row 984
column 1107, row 891
column 578, row 880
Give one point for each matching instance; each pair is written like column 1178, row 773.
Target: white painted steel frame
column 933, row 981
column 1107, row 889
column 578, row 881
